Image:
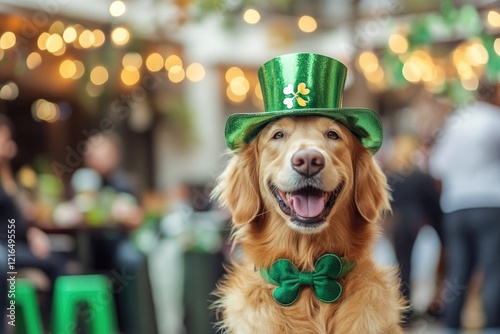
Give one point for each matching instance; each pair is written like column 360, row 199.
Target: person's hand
column 38, row 242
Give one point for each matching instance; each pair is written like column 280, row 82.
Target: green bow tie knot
column 323, row 279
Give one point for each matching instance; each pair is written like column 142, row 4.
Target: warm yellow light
column 411, row 71
column 80, row 70
column 195, row 72
column 34, row 60
column 376, row 76
column 56, row 28
column 367, row 62
column 494, row 18
column 496, row 46
column 117, row 8
column 465, row 70
column 9, row 91
column 7, row 40
column 307, row 24
column 258, row 91
column 132, row 59
column 27, row 177
column 130, row 75
column 232, row 73
column 154, row 62
column 470, row 83
column 476, row 54
column 67, row 69
column 86, row 39
column 93, row 90
column 120, row 36
column 172, row 60
column 54, row 43
column 42, row 40
column 99, row 75
column 45, row 111
column 239, row 86
column 458, row 55
column 69, row 35
column 251, row 16
column 61, row 51
column 233, row 97
column 398, row 44
column 99, row 38
column 176, row 74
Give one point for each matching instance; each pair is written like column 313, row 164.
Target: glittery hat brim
column 364, row 123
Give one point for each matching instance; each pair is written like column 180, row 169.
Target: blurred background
column 112, row 134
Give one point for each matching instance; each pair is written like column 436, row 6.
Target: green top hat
column 304, row 84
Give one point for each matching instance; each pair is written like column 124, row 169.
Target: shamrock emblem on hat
column 299, row 95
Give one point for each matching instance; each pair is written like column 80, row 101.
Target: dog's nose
column 308, row 162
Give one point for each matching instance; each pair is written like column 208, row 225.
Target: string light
column 54, row 43
column 99, row 38
column 154, row 62
column 132, row 59
column 195, row 72
column 176, row 73
column 67, row 69
column 80, row 70
column 99, row 75
column 117, row 8
column 232, row 73
column 120, row 36
column 33, row 60
column 307, row 24
column 7, row 40
column 130, row 75
column 251, row 16
column 9, row 91
column 494, row 18
column 69, row 35
column 171, row 61
column 398, row 44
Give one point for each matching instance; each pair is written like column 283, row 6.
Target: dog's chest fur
column 247, row 306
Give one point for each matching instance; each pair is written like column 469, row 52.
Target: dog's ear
column 371, row 194
column 238, row 186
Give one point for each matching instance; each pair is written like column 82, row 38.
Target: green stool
column 92, row 290
column 27, row 312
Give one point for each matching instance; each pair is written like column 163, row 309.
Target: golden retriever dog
column 303, row 188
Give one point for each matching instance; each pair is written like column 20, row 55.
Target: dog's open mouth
column 308, row 206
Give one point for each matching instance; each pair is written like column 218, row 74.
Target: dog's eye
column 278, row 135
column 333, row 135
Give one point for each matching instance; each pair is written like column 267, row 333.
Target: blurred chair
column 29, row 320
column 91, row 290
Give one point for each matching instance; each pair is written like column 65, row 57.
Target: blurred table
column 82, row 234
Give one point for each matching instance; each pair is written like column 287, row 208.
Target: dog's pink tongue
column 307, row 206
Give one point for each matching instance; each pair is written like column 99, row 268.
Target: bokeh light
column 33, row 60
column 117, row 8
column 7, row 40
column 154, row 62
column 99, row 75
column 130, row 75
column 251, row 16
column 195, row 72
column 120, row 36
column 307, row 24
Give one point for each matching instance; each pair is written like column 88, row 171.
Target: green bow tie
column 290, row 280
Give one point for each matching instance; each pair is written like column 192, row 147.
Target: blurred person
column 466, row 159
column 32, row 245
column 415, row 203
column 113, row 251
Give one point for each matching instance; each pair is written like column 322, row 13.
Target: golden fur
column 371, row 302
